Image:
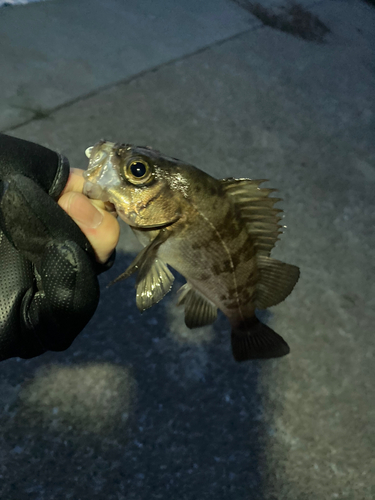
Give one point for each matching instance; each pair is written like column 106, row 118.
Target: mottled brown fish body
column 213, row 250
column 217, row 233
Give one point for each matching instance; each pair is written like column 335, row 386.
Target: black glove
column 48, row 287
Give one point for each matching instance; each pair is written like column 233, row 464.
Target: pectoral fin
column 198, row 310
column 153, row 282
column 276, row 281
column 154, row 279
column 134, row 266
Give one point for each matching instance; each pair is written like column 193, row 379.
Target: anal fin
column 276, row 281
column 199, row 311
column 257, row 342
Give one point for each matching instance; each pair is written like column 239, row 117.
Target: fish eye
column 138, row 169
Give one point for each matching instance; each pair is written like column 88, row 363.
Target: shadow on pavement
column 135, row 409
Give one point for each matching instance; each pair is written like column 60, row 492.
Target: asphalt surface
column 140, row 407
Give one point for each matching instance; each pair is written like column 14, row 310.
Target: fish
column 217, row 233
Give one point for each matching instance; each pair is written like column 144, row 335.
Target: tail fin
column 257, row 341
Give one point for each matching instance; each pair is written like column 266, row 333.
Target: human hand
column 98, row 225
column 48, row 288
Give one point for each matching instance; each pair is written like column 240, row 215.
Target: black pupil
column 138, row 169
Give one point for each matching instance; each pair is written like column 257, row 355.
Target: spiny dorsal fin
column 198, row 310
column 276, row 281
column 256, row 209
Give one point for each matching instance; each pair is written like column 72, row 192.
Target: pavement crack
column 46, row 113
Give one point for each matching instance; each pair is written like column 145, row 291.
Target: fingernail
column 84, row 212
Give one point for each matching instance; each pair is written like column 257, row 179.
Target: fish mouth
column 96, row 192
column 154, row 227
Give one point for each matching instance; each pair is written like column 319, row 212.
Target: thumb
column 100, row 227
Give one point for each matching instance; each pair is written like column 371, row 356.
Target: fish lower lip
column 162, row 225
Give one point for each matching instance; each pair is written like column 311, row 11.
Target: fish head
column 144, row 186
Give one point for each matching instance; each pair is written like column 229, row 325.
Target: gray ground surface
column 140, row 407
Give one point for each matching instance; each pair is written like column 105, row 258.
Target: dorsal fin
column 256, row 209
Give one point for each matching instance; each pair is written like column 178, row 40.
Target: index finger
column 75, row 181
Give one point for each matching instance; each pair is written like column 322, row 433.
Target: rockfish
column 217, row 233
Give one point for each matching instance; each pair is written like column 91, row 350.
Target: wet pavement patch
column 291, row 18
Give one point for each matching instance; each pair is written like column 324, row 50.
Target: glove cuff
column 61, row 177
column 48, row 169
column 101, row 268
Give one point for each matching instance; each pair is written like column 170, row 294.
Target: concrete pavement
column 56, row 52
column 139, row 406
